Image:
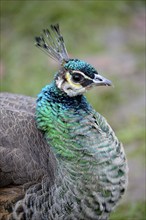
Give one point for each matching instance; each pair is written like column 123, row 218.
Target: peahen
column 65, row 154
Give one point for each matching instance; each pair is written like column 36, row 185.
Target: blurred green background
column 109, row 34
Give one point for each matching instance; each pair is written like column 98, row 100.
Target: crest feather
column 52, row 43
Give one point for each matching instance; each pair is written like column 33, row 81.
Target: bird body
column 88, row 174
column 87, row 152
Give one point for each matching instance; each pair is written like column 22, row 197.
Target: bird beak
column 101, row 81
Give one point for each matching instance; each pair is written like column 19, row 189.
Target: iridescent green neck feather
column 82, row 141
column 58, row 115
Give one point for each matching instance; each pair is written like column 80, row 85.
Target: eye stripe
column 77, row 71
column 86, row 82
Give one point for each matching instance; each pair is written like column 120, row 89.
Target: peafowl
column 64, row 154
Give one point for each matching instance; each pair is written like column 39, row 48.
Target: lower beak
column 101, row 81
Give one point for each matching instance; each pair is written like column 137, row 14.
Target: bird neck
column 59, row 115
column 78, row 137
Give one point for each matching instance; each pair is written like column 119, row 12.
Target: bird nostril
column 98, row 78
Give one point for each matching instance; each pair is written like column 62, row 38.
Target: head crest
column 52, row 43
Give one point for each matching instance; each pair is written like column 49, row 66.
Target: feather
column 52, row 43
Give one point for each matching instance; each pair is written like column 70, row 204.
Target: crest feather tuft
column 52, row 43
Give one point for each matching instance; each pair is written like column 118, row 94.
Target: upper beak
column 101, row 81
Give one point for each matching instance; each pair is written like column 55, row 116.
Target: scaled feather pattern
column 63, row 153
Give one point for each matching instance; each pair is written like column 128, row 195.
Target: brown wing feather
column 24, row 154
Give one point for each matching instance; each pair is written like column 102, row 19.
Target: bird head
column 75, row 76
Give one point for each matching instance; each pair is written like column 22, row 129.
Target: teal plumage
column 91, row 169
column 75, row 64
column 87, row 151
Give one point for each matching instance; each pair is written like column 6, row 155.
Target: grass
column 130, row 211
column 26, row 70
column 130, row 133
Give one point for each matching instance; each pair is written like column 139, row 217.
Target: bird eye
column 77, row 77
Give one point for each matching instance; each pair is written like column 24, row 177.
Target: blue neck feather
column 53, row 94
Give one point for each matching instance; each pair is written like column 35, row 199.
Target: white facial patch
column 72, row 91
column 59, row 82
column 69, row 88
